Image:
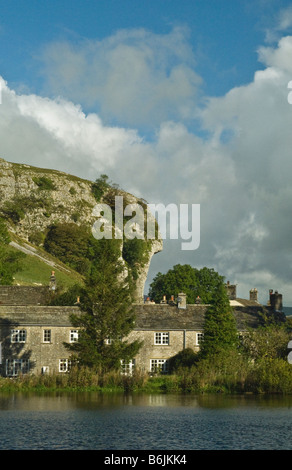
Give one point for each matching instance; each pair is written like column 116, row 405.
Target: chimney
column 52, row 285
column 276, row 301
column 172, row 301
column 163, row 301
column 231, row 290
column 182, row 300
column 253, row 295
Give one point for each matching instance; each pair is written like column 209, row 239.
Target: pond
column 94, row 421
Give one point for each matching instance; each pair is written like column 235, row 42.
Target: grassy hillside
column 37, row 266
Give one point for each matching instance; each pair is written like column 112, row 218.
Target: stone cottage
column 32, row 333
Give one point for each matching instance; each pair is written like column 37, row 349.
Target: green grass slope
column 37, row 266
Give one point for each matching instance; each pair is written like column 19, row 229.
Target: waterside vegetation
column 229, row 374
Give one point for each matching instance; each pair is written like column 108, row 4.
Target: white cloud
column 282, row 24
column 240, row 174
column 135, row 77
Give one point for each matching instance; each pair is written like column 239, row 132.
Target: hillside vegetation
column 49, row 216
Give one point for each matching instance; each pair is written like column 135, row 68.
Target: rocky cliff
column 33, row 199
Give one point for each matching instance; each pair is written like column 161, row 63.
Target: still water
column 92, row 421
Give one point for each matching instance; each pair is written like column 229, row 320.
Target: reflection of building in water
column 32, row 332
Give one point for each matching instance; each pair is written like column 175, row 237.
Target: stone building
column 32, row 333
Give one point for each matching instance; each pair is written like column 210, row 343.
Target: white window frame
column 161, row 338
column 127, row 368
column 73, row 338
column 18, row 336
column 47, row 333
column 64, row 365
column 199, row 338
column 16, row 366
column 159, row 365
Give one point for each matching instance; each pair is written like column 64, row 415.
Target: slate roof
column 148, row 316
column 30, row 315
column 168, row 317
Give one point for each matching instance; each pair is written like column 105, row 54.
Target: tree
column 220, row 332
column 184, row 278
column 69, row 242
column 100, row 186
column 107, row 315
column 266, row 342
column 10, row 260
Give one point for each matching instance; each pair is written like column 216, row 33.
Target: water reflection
column 139, row 421
column 54, row 401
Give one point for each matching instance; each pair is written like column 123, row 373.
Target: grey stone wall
column 34, row 320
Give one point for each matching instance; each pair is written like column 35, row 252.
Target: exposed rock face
column 40, row 197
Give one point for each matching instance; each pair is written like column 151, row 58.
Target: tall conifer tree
column 107, row 314
column 220, row 332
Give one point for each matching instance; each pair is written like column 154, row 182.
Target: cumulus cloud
column 57, row 133
column 134, row 77
column 239, row 170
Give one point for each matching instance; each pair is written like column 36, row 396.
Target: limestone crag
column 38, row 198
column 71, row 196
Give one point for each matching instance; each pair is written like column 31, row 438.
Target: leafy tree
column 100, row 186
column 69, row 242
column 266, row 342
column 184, row 278
column 107, row 315
column 136, row 254
column 220, row 332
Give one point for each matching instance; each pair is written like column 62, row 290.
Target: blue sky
column 177, row 101
column 223, row 34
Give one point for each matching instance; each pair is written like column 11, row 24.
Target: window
column 64, row 365
column 159, row 365
column 73, row 336
column 18, row 336
column 108, row 341
column 16, row 366
column 47, row 336
column 161, row 338
column 199, row 338
column 127, row 368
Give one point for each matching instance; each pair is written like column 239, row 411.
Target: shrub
column 99, row 187
column 37, row 238
column 270, row 376
column 13, row 211
column 185, row 358
column 44, row 183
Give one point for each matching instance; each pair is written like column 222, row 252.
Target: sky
column 178, row 102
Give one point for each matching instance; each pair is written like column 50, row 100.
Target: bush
column 185, row 358
column 44, row 183
column 99, row 187
column 270, row 376
column 13, row 211
column 37, row 238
